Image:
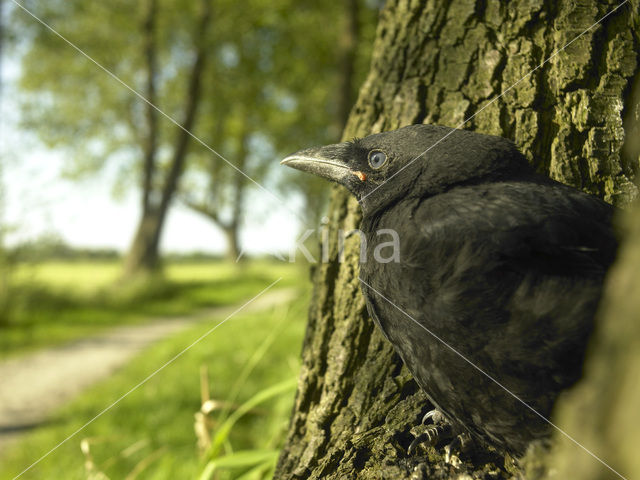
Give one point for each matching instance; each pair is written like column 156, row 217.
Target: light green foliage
column 151, row 430
column 69, row 101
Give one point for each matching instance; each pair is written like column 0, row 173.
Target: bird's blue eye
column 377, row 159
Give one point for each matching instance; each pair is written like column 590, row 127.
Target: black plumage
column 502, row 264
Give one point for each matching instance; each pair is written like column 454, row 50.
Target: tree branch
column 150, row 143
column 193, row 100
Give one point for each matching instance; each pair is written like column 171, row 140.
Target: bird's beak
column 326, row 162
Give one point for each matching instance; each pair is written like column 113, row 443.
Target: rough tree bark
column 143, row 255
column 441, row 62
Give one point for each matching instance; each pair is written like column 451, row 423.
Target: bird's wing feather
column 494, row 260
column 550, row 228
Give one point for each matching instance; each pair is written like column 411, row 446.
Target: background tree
column 161, row 55
column 289, row 80
column 441, row 63
column 248, row 106
column 144, row 252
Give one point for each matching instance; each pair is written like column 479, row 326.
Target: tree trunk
column 232, row 228
column 602, row 411
column 237, row 207
column 233, row 243
column 143, row 255
column 441, row 62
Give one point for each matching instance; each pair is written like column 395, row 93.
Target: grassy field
column 149, row 434
column 54, row 302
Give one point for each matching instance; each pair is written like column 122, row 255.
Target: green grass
column 55, row 302
column 151, row 430
column 84, row 277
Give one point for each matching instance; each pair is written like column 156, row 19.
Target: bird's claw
column 435, row 416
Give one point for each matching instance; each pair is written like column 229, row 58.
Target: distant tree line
column 53, row 247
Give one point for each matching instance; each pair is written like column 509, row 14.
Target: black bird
column 497, row 264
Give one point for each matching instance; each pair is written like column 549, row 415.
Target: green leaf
column 241, row 459
column 222, row 433
column 264, row 470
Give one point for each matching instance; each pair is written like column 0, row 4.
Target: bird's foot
column 438, row 430
column 460, row 444
column 431, row 436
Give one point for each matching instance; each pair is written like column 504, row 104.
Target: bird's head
column 415, row 160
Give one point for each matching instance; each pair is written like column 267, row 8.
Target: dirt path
column 34, row 385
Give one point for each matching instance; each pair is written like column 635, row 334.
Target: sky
column 38, row 200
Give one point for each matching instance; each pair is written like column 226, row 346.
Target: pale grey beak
column 324, row 162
